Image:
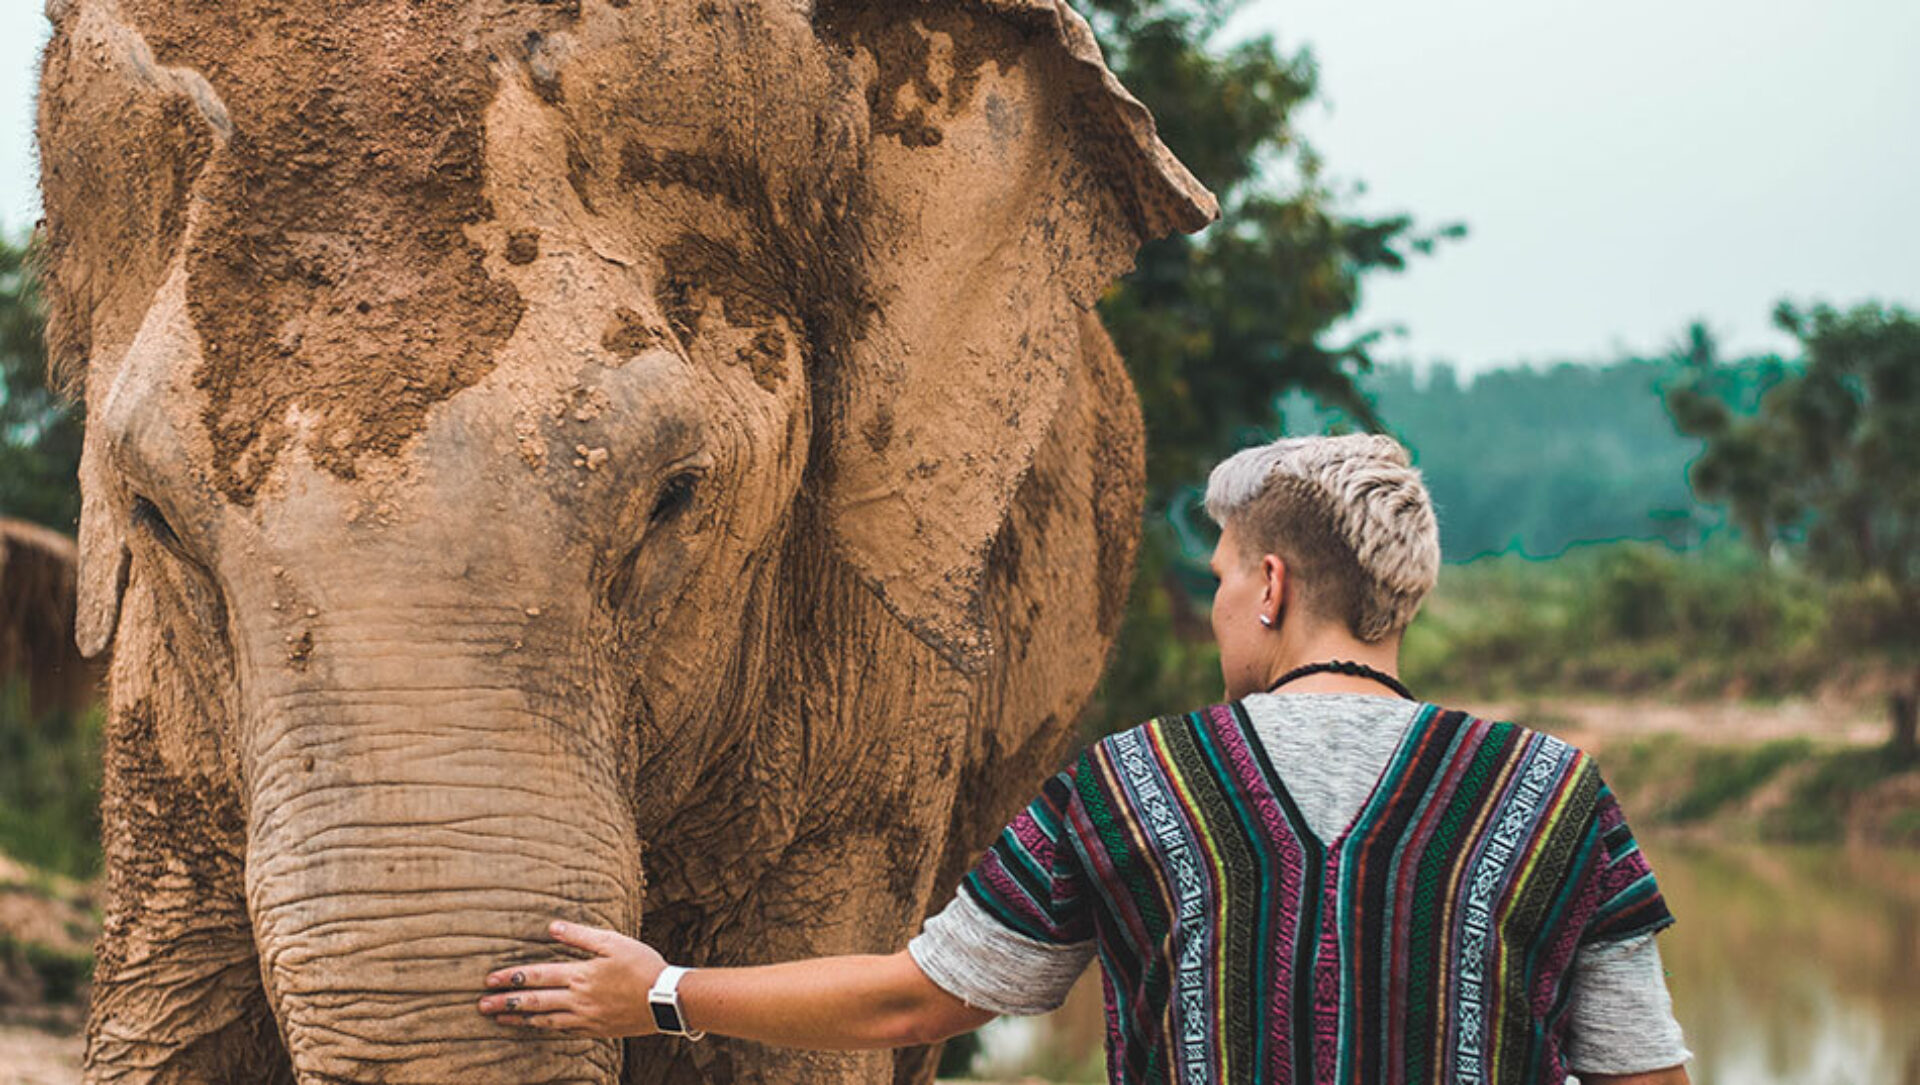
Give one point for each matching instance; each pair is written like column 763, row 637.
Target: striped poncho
column 1429, row 942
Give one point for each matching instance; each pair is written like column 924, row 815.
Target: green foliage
column 1622, row 617
column 1166, row 660
column 1903, row 829
column 1826, row 466
column 1535, row 461
column 1524, row 464
column 56, row 977
column 957, row 1056
column 1640, row 767
column 1674, row 781
column 1532, row 461
column 1668, row 779
column 1817, row 812
column 49, row 785
column 1827, row 462
column 1214, row 328
column 1725, row 775
column 39, row 434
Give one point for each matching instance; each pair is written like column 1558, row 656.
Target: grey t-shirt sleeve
column 1621, row 1015
column 970, row 955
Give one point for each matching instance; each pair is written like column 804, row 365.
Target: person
column 1321, row 880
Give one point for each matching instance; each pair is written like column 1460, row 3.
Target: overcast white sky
column 1624, row 167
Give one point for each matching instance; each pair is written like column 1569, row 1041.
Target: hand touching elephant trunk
column 410, row 817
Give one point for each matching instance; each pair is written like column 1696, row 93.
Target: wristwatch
column 664, row 1000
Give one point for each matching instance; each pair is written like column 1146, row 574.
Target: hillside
column 1534, row 460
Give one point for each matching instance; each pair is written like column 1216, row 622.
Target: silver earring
column 1266, row 621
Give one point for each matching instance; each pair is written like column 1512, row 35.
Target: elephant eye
column 146, row 515
column 674, row 497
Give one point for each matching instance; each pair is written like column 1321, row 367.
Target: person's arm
column 1621, row 1018
column 827, row 1003
column 1022, row 959
column 1672, row 1075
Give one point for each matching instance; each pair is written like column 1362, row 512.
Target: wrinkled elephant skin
column 648, row 463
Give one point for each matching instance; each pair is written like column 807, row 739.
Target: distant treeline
column 1535, row 460
column 1524, row 463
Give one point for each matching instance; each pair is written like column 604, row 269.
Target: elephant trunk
column 408, row 835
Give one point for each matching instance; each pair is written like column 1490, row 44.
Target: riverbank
column 1805, row 771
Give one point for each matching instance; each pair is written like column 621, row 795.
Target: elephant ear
column 121, row 143
column 122, row 139
column 104, row 558
column 1009, row 179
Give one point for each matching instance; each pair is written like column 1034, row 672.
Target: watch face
column 665, row 1017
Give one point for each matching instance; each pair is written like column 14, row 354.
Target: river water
column 1788, row 966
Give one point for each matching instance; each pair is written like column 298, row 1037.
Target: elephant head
column 490, row 400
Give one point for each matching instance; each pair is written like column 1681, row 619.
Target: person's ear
column 1273, row 597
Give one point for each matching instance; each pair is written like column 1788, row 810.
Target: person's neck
column 1324, row 645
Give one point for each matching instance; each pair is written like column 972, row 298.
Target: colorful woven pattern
column 1430, row 942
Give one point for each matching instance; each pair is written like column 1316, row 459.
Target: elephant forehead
column 328, row 268
column 336, row 271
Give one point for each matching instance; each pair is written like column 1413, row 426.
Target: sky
column 1623, row 168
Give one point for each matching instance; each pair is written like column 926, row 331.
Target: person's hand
column 604, row 996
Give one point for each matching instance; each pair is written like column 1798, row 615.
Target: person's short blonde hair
column 1350, row 517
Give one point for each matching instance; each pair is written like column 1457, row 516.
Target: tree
column 1216, row 328
column 1825, row 469
column 39, row 433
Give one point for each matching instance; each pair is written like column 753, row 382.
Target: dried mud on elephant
column 650, row 463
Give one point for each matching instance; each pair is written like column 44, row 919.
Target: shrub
column 49, row 785
column 1726, row 775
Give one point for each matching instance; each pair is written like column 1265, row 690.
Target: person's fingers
column 592, row 939
column 554, row 974
column 564, row 1022
column 525, row 1002
column 571, row 1023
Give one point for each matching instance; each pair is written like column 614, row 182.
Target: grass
column 49, row 786
column 1724, row 776
column 1817, row 809
column 1669, row 780
column 60, row 976
column 1903, row 828
column 1622, row 618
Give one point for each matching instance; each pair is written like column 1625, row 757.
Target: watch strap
column 664, row 1000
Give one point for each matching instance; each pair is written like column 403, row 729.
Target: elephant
column 652, row 463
